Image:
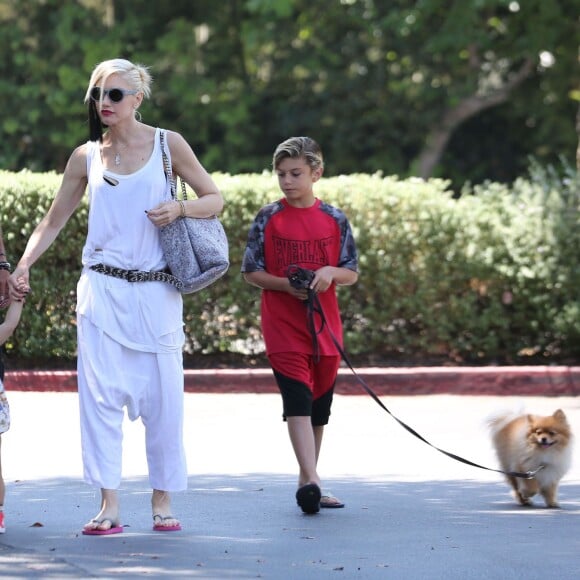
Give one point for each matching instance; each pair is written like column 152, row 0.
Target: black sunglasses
column 115, row 95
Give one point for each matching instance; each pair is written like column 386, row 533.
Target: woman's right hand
column 18, row 284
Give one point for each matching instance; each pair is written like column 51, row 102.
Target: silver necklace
column 117, row 158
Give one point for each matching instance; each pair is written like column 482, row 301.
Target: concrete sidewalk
column 411, row 512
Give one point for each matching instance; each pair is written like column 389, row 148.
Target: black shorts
column 306, row 384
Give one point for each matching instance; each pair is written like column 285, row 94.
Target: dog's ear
column 559, row 415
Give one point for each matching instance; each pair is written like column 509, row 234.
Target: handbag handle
column 168, row 171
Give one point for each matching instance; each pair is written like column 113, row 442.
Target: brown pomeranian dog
column 528, row 442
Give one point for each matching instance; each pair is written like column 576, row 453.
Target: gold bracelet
column 182, row 207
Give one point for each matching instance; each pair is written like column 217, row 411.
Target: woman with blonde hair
column 129, row 318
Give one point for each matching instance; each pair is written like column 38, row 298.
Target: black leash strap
column 313, row 307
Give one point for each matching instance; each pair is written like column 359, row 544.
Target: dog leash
column 313, row 307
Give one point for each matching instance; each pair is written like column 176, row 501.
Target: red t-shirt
column 282, row 235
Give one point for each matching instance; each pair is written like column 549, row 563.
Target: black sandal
column 308, row 498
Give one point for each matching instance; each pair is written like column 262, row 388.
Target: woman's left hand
column 164, row 213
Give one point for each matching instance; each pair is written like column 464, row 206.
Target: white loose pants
column 150, row 385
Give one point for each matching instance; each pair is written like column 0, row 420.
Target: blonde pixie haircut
column 297, row 147
column 137, row 75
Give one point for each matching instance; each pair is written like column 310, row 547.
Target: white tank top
column 141, row 315
column 120, row 234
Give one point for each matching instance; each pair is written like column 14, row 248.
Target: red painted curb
column 529, row 380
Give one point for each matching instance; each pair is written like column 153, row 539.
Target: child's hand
column 301, row 293
column 323, row 279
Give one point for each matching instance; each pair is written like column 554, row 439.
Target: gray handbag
column 196, row 249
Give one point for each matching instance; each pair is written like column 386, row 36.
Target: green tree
column 43, row 79
column 463, row 90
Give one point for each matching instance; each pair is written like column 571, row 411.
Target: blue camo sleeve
column 254, row 259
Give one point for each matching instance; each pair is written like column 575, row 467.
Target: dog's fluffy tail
column 497, row 421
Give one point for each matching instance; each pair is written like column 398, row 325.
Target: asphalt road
column 410, row 512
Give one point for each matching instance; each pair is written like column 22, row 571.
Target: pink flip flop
column 159, row 527
column 114, row 529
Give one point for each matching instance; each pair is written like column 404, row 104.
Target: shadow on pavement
column 248, row 526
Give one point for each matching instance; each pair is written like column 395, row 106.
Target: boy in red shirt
column 301, row 230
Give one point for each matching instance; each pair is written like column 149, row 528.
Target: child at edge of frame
column 301, row 231
column 7, row 328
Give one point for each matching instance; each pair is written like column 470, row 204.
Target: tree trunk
column 236, row 26
column 440, row 134
column 578, row 133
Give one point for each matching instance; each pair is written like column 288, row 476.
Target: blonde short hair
column 137, row 75
column 297, row 147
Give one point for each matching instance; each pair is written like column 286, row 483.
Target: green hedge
column 493, row 276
